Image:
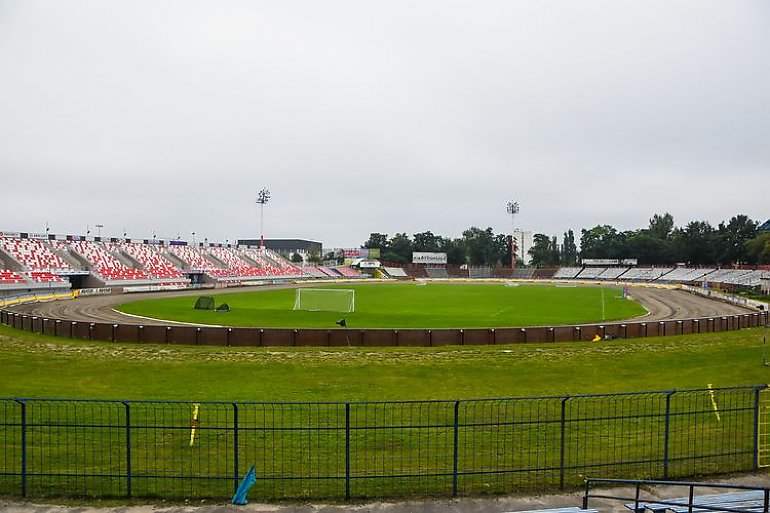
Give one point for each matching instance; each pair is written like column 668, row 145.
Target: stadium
column 83, row 289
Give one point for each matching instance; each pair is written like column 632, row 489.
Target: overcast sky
column 390, row 116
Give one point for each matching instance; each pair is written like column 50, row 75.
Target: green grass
column 411, row 439
column 41, row 366
column 407, row 305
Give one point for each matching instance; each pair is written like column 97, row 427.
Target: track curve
column 661, row 304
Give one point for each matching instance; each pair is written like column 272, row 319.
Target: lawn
column 408, row 305
column 41, row 366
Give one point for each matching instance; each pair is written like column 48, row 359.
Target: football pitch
column 408, row 305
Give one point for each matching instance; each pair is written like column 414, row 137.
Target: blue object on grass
column 247, row 482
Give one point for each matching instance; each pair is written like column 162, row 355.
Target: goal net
column 325, row 300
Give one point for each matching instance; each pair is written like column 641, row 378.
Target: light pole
column 99, row 230
column 512, row 207
column 262, row 197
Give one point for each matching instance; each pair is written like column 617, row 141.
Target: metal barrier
column 730, row 498
column 294, row 337
column 97, row 448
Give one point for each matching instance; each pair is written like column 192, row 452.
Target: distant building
column 765, row 227
column 524, row 242
column 287, row 247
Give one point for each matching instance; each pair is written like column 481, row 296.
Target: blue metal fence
column 51, row 447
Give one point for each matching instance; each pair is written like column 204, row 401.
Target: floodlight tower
column 262, row 197
column 512, row 207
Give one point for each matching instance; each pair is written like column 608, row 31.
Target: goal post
column 325, row 300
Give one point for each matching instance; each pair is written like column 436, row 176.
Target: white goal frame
column 344, row 300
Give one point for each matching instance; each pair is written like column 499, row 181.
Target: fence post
column 236, row 476
column 347, row 451
column 128, row 449
column 456, row 443
column 23, row 446
column 563, row 441
column 756, row 428
column 666, row 436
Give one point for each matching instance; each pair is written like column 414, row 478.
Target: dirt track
column 662, row 304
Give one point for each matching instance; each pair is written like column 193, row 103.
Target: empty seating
column 33, row 254
column 8, row 277
column 150, row 259
column 395, row 272
column 104, row 263
column 436, row 272
column 567, row 272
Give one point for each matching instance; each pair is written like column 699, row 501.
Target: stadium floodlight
column 99, row 230
column 263, row 197
column 512, row 207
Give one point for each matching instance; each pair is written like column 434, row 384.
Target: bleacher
column 33, row 254
column 190, row 257
column 151, row 260
column 102, row 262
column 8, row 277
column 436, row 272
column 645, row 273
column 314, row 272
column 591, row 273
column 567, row 273
column 235, row 266
column 686, row 275
column 525, row 273
column 272, row 264
column 395, row 272
column 479, row 272
column 612, row 273
column 348, row 272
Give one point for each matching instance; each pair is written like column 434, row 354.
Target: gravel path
column 464, row 505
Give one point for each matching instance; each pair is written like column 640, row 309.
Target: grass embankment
column 408, row 305
column 41, row 366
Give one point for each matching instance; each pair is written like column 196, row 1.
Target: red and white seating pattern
column 191, row 257
column 33, row 254
column 272, row 264
column 152, row 261
column 104, row 263
column 236, row 266
column 8, row 277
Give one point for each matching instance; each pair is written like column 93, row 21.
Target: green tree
column 541, row 252
column 661, row 226
column 601, row 241
column 427, row 241
column 758, row 249
column 695, row 243
column 296, row 258
column 399, row 249
column 455, row 250
column 480, row 245
column 377, row 240
column 569, row 252
column 732, row 239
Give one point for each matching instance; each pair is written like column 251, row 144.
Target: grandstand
column 39, row 262
column 33, row 262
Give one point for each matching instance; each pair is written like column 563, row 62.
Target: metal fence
column 372, row 450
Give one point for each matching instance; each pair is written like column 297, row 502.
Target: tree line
column 737, row 241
